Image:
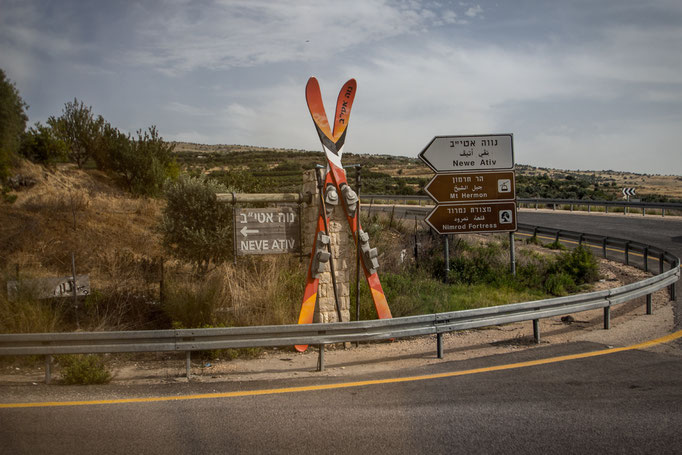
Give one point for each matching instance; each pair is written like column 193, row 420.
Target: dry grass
column 258, row 291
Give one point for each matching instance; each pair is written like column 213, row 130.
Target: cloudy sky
column 580, row 84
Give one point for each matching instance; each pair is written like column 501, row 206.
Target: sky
column 589, row 85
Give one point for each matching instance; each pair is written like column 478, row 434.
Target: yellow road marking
column 245, row 393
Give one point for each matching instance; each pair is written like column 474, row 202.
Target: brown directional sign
column 266, row 231
column 473, row 218
column 472, row 187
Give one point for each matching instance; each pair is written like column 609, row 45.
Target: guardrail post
column 554, row 206
column 606, row 209
column 588, row 208
column 536, row 330
column 607, row 317
column 439, row 345
column 580, row 240
column 649, row 309
column 603, row 247
column 663, row 212
column 646, row 258
column 672, row 292
column 188, row 363
column 661, row 266
column 571, row 207
column 320, row 359
column 48, row 369
column 643, row 211
column 627, row 253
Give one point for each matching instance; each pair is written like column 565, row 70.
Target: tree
column 143, row 164
column 195, row 226
column 40, row 145
column 12, row 124
column 79, row 129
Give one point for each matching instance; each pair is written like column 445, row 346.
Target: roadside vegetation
column 139, row 216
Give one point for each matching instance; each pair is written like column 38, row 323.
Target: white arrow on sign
column 628, row 191
column 245, row 231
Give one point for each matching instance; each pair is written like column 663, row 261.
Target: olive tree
column 195, row 226
column 12, row 124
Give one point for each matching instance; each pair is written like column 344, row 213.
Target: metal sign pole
column 512, row 254
column 357, row 251
column 447, row 257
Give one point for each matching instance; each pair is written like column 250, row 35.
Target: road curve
column 626, row 401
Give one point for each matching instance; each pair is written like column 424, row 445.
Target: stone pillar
column 343, row 254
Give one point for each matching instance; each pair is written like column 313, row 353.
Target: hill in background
column 273, row 169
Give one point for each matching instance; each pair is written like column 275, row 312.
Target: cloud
column 240, row 33
column 474, row 11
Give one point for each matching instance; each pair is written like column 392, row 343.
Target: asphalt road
column 663, row 232
column 625, row 402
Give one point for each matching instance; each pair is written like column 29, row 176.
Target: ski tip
column 312, row 81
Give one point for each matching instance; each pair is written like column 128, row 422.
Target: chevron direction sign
column 627, row 192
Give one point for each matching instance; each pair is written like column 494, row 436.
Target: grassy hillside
column 271, row 170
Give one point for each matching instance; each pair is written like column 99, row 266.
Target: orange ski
column 332, row 144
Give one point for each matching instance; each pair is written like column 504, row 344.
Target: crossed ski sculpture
column 335, row 184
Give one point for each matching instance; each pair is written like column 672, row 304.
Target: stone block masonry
column 343, row 254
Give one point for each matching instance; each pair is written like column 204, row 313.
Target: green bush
column 83, row 369
column 79, row 129
column 195, row 226
column 12, row 124
column 533, row 240
column 41, row 145
column 559, row 284
column 555, row 245
column 580, row 264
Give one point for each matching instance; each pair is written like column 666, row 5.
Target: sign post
column 627, row 192
column 474, row 186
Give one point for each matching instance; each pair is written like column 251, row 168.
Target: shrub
column 83, row 369
column 580, row 264
column 555, row 245
column 559, row 283
column 195, row 226
column 79, row 129
column 143, row 164
column 41, row 145
column 12, row 124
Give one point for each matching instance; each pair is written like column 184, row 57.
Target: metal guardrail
column 540, row 202
column 188, row 340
